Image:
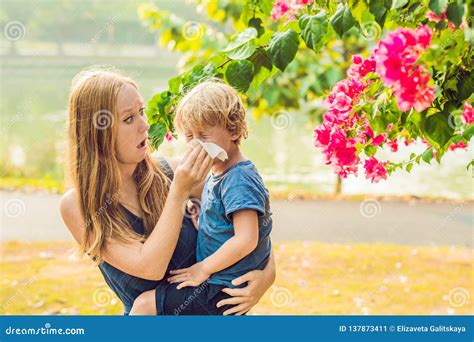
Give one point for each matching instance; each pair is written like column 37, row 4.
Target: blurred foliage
column 69, row 21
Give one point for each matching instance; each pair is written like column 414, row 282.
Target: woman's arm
column 258, row 282
column 148, row 260
column 195, row 195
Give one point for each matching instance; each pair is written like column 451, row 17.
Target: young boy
column 235, row 219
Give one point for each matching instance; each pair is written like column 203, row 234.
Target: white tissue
column 215, row 151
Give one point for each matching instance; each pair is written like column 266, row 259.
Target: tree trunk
column 338, row 189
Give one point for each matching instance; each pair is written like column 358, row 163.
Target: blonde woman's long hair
column 93, row 166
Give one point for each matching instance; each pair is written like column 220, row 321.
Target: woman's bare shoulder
column 71, row 214
column 69, row 201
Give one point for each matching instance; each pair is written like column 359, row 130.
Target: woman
column 126, row 210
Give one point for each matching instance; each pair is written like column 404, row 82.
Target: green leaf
column 265, row 6
column 370, row 150
column 157, row 105
column 283, row 48
column 417, row 160
column 262, row 68
column 428, row 155
column 174, row 84
column 261, row 59
column 379, row 11
column 239, row 74
column 199, row 73
column 209, row 70
column 438, row 6
column 437, row 129
column 399, row 3
column 409, row 167
column 465, row 85
column 243, row 46
column 157, row 133
column 314, row 28
column 360, row 12
column 256, row 23
column 439, row 154
column 342, row 20
column 470, row 165
column 455, row 12
column 468, row 132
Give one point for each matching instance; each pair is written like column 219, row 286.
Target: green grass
column 25, row 184
column 312, row 278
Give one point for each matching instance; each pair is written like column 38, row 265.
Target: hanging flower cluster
column 394, row 62
column 288, row 8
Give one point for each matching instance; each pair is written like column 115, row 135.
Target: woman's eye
column 128, row 120
column 142, row 111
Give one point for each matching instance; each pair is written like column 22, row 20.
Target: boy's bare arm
column 243, row 242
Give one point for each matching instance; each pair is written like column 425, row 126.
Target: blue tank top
column 128, row 287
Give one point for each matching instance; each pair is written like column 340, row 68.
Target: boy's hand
column 191, row 276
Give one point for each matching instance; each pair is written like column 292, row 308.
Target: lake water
column 33, row 116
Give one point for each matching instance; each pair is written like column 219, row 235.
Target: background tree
column 287, row 55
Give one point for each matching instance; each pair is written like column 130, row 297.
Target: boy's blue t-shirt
column 239, row 187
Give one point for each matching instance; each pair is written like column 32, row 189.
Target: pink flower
column 393, row 144
column 280, row 8
column 169, row 136
column 357, row 59
column 460, row 144
column 395, row 57
column 376, row 140
column 303, row 2
column 467, row 114
column 288, row 8
column 360, row 67
column 340, row 151
column 379, row 139
column 413, row 90
column 322, row 136
column 408, row 141
column 342, row 102
column 424, row 35
column 351, row 88
column 395, row 54
column 432, row 16
column 374, row 170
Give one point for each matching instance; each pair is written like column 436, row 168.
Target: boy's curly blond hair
column 212, row 103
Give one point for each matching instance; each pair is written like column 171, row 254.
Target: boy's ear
column 235, row 136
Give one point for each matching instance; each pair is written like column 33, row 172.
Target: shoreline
column 47, row 186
